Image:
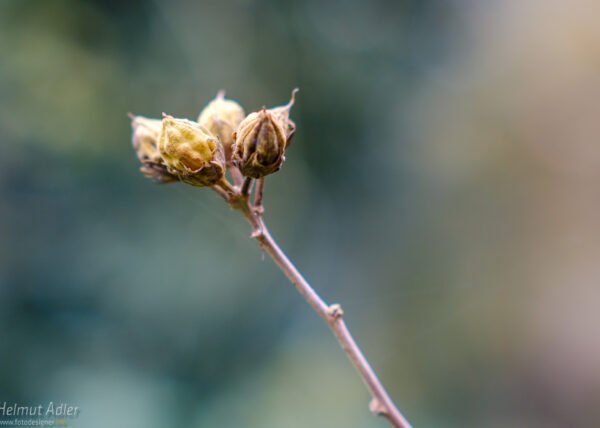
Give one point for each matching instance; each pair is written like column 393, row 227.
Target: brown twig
column 236, row 175
column 258, row 195
column 245, row 191
column 221, row 192
column 381, row 403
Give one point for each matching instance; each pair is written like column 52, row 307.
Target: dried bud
column 259, row 145
column 145, row 140
column 222, row 117
column 261, row 140
column 191, row 152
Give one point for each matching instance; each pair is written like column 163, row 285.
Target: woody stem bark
column 381, row 403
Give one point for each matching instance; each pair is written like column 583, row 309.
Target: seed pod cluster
column 200, row 152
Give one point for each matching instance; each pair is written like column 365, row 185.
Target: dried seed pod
column 259, row 145
column 261, row 140
column 191, row 152
column 145, row 143
column 222, row 117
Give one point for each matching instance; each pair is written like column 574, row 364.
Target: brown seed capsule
column 261, row 140
column 191, row 152
column 222, row 117
column 259, row 145
column 145, row 140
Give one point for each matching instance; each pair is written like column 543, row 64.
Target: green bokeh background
column 442, row 185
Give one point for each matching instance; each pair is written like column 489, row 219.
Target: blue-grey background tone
column 443, row 186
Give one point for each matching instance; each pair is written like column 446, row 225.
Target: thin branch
column 221, row 192
column 258, row 195
column 236, row 175
column 381, row 402
column 246, row 186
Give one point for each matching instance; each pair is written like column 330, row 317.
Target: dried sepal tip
column 282, row 115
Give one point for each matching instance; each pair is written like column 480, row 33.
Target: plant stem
column 246, row 186
column 381, row 402
column 258, row 193
column 236, row 175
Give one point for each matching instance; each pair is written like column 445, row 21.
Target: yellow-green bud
column 191, row 152
column 222, row 117
column 145, row 140
column 259, row 145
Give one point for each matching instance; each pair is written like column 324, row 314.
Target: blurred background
column 443, row 186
